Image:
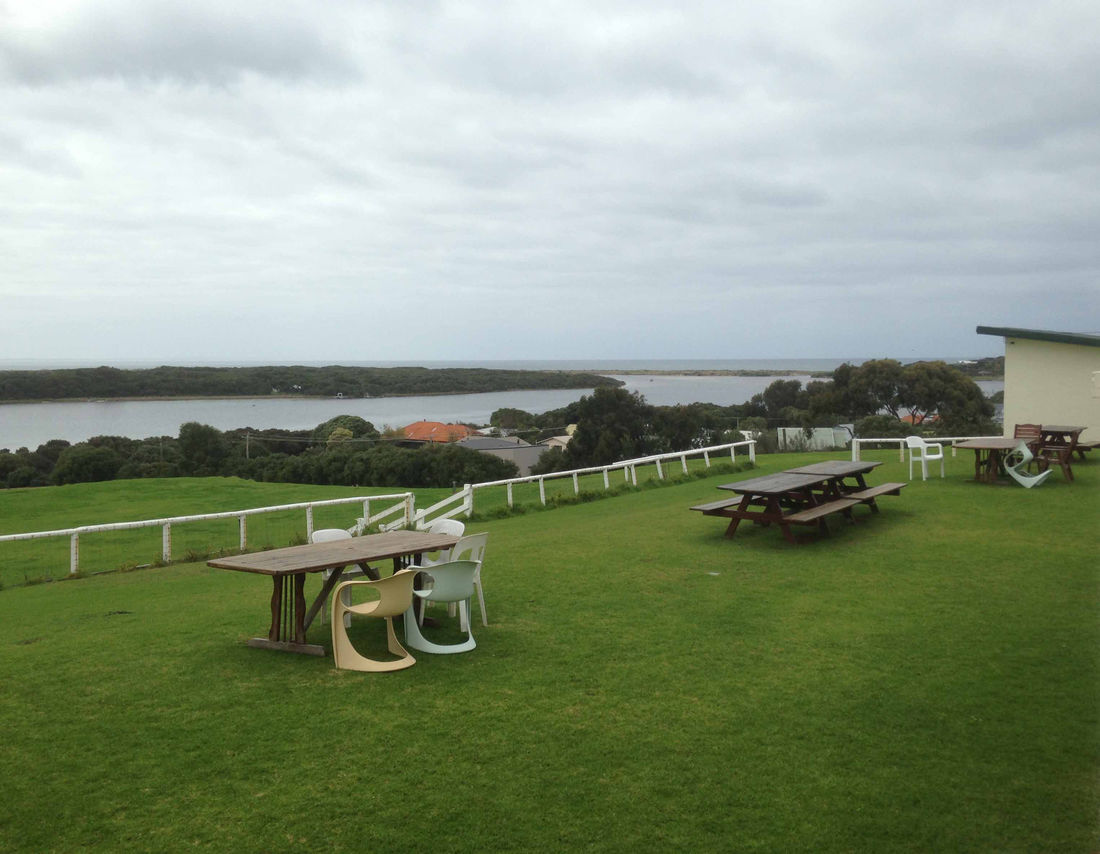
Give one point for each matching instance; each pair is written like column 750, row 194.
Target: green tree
column 202, row 448
column 86, row 463
column 612, row 424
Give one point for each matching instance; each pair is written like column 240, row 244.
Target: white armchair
column 923, row 452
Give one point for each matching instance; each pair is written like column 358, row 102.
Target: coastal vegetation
column 611, row 425
column 923, row 680
column 291, row 380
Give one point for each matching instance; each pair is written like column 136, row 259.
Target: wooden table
column 989, row 456
column 288, row 568
column 838, row 487
column 1057, row 444
column 785, row 498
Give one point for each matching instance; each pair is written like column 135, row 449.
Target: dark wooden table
column 288, row 567
column 989, row 456
column 771, row 498
column 839, row 472
column 1057, row 444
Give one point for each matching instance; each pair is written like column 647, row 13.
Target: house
column 509, row 448
column 1050, row 378
column 435, row 431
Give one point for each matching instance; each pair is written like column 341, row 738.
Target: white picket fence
column 399, row 510
column 404, row 506
column 462, row 502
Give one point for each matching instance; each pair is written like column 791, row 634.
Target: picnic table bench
column 802, row 496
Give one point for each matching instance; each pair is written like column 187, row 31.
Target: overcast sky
column 211, row 182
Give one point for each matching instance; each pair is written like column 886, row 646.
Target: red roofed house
column 435, row 431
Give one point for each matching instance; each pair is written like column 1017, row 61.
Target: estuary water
column 31, row 424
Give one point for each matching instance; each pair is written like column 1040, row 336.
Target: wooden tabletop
column 991, row 444
column 318, row 556
column 1048, row 428
column 775, row 484
column 837, row 468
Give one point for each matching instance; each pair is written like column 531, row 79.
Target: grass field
column 923, row 680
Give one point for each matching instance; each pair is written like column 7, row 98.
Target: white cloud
column 492, row 180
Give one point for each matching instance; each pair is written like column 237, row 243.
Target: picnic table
column 1056, row 445
column 288, row 568
column 800, row 496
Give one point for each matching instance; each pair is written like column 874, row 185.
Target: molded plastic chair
column 922, row 451
column 395, row 595
column 328, row 535
column 450, row 582
column 473, row 548
column 450, row 527
column 1016, row 462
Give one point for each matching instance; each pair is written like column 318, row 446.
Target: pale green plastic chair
column 395, row 595
column 1016, row 462
column 449, row 582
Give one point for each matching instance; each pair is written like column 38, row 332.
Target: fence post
column 706, row 458
column 752, row 453
column 309, row 522
column 509, row 495
column 542, row 490
column 634, row 475
column 366, row 513
column 166, row 542
column 684, row 463
column 660, row 471
column 243, row 520
column 576, row 485
column 409, row 509
column 606, row 482
column 855, row 450
column 901, row 451
column 468, row 501
column 74, row 553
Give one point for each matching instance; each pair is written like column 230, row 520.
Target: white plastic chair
column 450, row 527
column 328, row 535
column 922, row 451
column 452, row 581
column 473, row 548
column 1016, row 462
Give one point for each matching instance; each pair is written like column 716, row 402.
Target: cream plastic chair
column 1016, row 462
column 328, row 535
column 449, row 582
column 395, row 596
column 923, row 452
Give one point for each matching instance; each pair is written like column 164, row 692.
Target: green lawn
column 923, row 680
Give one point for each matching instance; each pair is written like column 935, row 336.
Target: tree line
column 345, row 450
column 612, row 425
column 298, row 380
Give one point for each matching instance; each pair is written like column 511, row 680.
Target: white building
column 1050, row 378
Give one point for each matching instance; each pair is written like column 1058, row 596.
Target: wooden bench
column 715, row 508
column 868, row 495
column 1082, row 447
column 818, row 513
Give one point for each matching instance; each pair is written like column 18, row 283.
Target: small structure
column 509, row 448
column 1050, row 377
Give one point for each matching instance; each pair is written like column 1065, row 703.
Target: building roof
column 492, row 443
column 436, row 431
column 1082, row 338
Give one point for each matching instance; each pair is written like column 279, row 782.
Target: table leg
column 735, row 520
column 288, row 615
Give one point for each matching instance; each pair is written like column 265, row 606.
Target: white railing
column 461, row 503
column 943, row 440
column 629, row 469
column 405, row 506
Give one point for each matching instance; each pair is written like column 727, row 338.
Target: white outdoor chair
column 923, row 452
column 327, row 535
column 470, row 548
column 452, row 581
column 450, row 527
column 1016, row 462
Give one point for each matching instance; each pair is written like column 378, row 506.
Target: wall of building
column 1048, row 382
